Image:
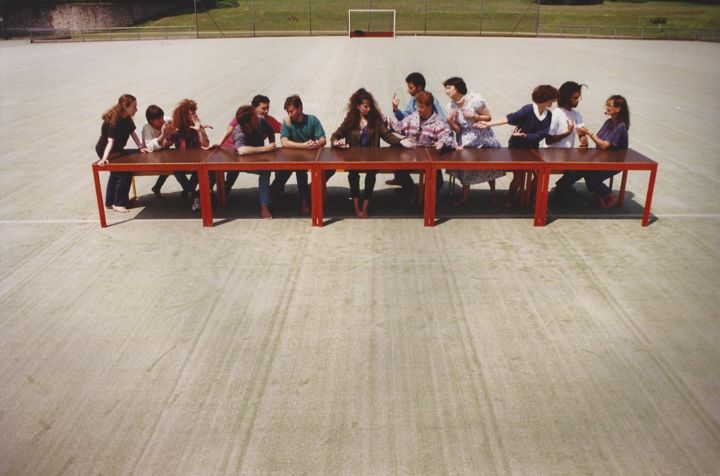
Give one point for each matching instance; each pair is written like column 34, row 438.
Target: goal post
column 371, row 23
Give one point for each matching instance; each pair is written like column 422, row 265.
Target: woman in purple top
column 612, row 135
column 532, row 124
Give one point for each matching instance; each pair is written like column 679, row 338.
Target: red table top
column 352, row 155
column 593, row 155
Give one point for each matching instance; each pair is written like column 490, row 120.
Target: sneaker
column 196, row 204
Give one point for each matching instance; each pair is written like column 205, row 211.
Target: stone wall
column 77, row 16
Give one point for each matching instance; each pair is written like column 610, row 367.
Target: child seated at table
column 532, row 124
column 156, row 136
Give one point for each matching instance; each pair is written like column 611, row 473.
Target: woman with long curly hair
column 189, row 134
column 363, row 126
column 117, row 128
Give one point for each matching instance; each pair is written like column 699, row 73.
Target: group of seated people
column 466, row 122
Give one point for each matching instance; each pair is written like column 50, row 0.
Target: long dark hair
column 352, row 118
column 624, row 114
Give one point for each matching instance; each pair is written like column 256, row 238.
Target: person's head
column 155, row 116
column 294, row 108
column 247, row 118
column 184, row 116
column 415, row 83
column 424, row 104
column 544, row 95
column 261, row 104
column 616, row 107
column 361, row 105
column 126, row 107
column 569, row 94
column 455, row 87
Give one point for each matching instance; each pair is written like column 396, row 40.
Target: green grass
column 449, row 16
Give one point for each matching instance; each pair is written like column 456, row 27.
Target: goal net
column 371, row 23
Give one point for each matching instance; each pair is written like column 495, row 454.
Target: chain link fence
column 244, row 18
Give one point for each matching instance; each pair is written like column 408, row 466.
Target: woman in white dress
column 465, row 109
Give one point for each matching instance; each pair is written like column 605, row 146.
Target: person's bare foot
column 120, row 209
column 611, row 201
column 304, row 207
column 265, row 212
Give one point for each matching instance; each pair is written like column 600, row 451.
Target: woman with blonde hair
column 116, row 129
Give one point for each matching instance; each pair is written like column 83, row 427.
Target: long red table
column 525, row 160
column 384, row 159
column 623, row 160
column 163, row 162
column 285, row 158
column 544, row 162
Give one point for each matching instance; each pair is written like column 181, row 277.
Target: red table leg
column 623, row 183
column 98, row 194
column 205, row 201
column 316, row 211
column 648, row 197
column 541, row 197
column 430, row 196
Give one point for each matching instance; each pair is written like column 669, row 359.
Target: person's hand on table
column 103, row 162
column 408, row 143
column 312, row 144
column 518, row 133
column 340, row 143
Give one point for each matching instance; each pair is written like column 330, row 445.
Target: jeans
column 595, row 181
column 160, row 182
column 188, row 185
column 354, row 180
column 282, row 176
column 263, row 184
column 118, row 189
column 566, row 182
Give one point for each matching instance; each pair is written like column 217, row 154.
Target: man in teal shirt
column 303, row 131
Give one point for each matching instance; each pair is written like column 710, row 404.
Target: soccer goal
column 371, row 23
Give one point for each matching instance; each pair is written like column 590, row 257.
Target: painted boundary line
column 64, row 222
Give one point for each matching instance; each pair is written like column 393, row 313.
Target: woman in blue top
column 612, row 135
column 532, row 124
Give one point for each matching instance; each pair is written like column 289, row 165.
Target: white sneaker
column 196, row 204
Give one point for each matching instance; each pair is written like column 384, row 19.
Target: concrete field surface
column 483, row 345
